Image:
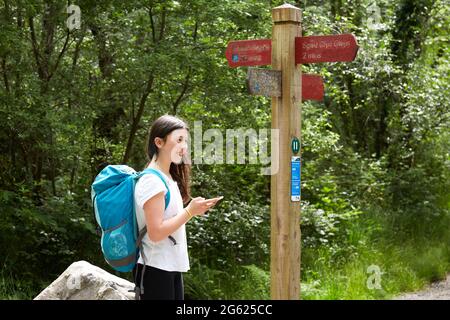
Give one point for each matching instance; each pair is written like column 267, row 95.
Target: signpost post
column 286, row 117
column 285, row 84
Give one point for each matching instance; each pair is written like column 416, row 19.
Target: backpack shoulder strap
column 157, row 173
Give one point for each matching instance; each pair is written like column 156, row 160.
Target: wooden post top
column 286, row 13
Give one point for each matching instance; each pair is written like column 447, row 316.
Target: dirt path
column 436, row 291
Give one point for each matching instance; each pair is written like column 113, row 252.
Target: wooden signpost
column 285, row 84
column 312, row 49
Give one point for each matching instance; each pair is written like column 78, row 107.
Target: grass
column 399, row 264
column 14, row 289
column 403, row 268
column 236, row 282
column 404, row 264
column 357, row 278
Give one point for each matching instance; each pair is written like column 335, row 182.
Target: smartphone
column 215, row 200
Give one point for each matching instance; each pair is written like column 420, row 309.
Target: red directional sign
column 312, row 87
column 249, row 53
column 313, row 49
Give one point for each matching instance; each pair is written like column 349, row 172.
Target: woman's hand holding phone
column 199, row 205
column 212, row 202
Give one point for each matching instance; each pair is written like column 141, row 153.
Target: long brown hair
column 160, row 128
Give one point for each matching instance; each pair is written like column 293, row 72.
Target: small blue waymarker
column 295, row 178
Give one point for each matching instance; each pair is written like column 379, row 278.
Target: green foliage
column 16, row 289
column 202, row 282
column 235, row 232
column 403, row 267
column 43, row 239
column 247, row 282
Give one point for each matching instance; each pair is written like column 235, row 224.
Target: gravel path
column 436, row 291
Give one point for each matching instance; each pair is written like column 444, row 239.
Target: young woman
column 165, row 246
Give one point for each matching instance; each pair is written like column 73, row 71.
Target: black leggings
column 159, row 284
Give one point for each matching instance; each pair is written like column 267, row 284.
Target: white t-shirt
column 163, row 254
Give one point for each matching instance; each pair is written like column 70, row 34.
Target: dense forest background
column 375, row 152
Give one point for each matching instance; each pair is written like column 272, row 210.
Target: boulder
column 84, row 281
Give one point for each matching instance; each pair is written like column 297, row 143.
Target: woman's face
column 176, row 145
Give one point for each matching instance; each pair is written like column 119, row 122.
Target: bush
column 44, row 240
column 234, row 233
column 247, row 282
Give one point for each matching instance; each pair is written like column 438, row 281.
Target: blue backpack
column 112, row 194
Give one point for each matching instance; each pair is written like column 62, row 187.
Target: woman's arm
column 159, row 229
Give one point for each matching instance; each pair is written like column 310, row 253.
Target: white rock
column 84, row 281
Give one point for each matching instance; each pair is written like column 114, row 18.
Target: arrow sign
column 314, row 49
column 266, row 82
column 312, row 87
column 249, row 53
